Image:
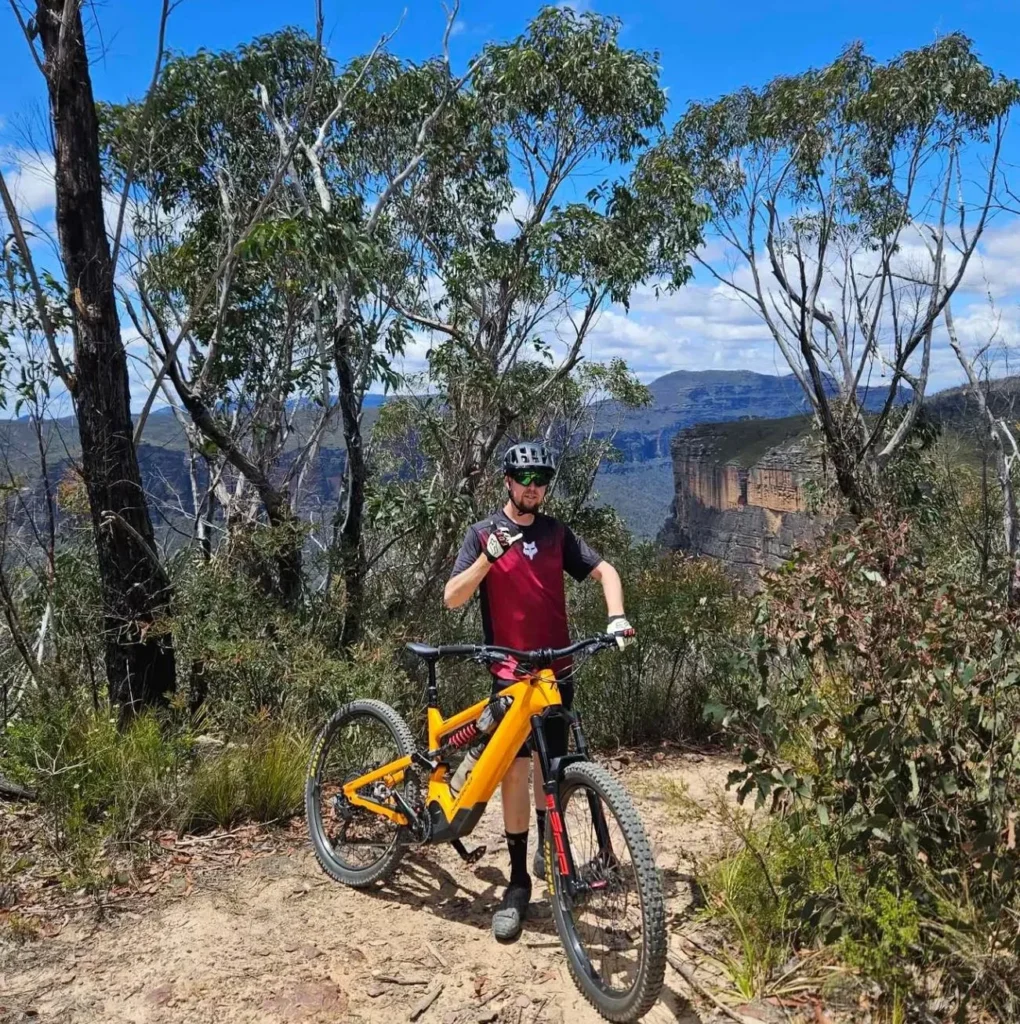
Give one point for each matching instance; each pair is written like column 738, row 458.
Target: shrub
column 249, row 657
column 686, row 613
column 259, row 779
column 881, row 703
column 899, row 689
column 94, row 781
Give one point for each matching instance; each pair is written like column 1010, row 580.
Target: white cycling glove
column 622, row 630
column 500, row 541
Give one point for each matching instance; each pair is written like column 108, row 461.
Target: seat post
column 432, row 691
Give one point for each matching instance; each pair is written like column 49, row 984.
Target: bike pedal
column 469, row 857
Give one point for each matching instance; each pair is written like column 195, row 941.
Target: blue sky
column 706, row 49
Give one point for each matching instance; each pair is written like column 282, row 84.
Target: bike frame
column 534, row 698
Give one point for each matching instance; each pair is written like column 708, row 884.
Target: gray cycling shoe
column 513, row 909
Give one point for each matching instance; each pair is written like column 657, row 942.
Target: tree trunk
column 1010, row 514
column 135, row 588
column 349, row 522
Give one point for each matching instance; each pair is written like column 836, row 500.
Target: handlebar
column 541, row 658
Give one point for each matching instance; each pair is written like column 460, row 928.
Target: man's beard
column 528, row 507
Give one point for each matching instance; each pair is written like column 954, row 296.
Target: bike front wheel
column 613, row 930
column 354, row 845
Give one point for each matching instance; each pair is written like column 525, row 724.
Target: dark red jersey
column 523, row 599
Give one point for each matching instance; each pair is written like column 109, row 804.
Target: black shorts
column 556, row 736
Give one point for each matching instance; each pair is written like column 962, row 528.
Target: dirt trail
column 276, row 941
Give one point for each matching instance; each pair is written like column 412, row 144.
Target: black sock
column 540, row 818
column 517, row 844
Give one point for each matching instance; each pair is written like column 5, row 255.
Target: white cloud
column 29, row 177
column 995, row 267
column 458, row 27
column 508, row 222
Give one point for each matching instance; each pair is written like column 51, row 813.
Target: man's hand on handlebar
column 622, row 630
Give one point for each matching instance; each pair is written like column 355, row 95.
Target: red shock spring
column 463, row 736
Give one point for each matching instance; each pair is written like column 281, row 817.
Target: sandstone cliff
column 748, row 508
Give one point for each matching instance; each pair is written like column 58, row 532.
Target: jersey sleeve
column 578, row 558
column 469, row 551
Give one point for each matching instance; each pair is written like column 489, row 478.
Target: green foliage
column 898, row 687
column 96, row 782
column 888, row 927
column 687, row 616
column 259, row 778
column 846, row 125
column 878, row 711
column 766, row 895
column 248, row 656
column 216, row 795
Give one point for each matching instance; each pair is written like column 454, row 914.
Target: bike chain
column 422, row 829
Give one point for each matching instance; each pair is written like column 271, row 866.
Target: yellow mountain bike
column 371, row 794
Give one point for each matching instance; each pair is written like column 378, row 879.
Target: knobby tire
column 636, row 1001
column 325, row 852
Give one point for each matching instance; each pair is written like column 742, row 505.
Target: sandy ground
column 276, row 941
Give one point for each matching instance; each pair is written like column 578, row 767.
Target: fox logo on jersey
column 530, row 549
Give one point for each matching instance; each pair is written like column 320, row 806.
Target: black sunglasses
column 539, row 477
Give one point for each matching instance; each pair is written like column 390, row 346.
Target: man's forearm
column 612, row 588
column 460, row 589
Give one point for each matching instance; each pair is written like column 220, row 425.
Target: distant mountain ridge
column 640, row 488
column 688, row 397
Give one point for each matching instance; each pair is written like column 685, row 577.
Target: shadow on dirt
column 422, row 884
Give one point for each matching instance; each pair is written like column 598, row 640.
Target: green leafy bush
column 248, row 657
column 687, row 614
column 880, row 706
column 895, row 692
column 95, row 782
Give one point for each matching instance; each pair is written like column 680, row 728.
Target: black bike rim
column 573, row 910
column 360, row 820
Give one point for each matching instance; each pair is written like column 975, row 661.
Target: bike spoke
column 357, row 837
column 607, row 913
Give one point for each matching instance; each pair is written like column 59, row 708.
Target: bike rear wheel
column 352, row 844
column 614, row 933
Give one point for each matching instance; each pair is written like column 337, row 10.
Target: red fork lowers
column 556, row 824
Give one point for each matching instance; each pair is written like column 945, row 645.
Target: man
column 516, row 559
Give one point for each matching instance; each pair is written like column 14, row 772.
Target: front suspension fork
column 566, row 869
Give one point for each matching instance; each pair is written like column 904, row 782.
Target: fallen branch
column 12, row 791
column 688, row 975
column 427, row 1000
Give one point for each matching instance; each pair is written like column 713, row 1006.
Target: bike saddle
column 424, row 651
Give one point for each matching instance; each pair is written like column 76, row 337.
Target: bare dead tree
column 1005, row 452
column 837, row 198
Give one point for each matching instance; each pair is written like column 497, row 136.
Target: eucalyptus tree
column 507, row 293
column 218, row 282
column 398, row 187
column 291, row 325
column 139, row 653
column 846, row 204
